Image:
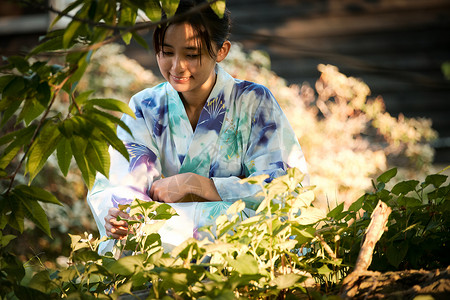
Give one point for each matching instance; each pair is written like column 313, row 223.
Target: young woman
column 195, row 136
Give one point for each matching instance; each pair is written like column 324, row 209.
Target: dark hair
column 205, row 23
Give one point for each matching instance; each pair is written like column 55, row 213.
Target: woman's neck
column 193, row 112
column 194, row 101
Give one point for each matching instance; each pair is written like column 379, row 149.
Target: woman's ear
column 223, row 51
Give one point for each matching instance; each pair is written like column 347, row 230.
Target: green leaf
column 7, row 138
column 30, row 111
column 68, row 274
column 64, row 155
column 86, row 256
column 286, row 281
column 11, row 106
column 218, row 7
column 36, row 193
column 409, row 202
column 387, row 176
column 4, row 80
column 324, row 270
column 5, row 239
column 13, row 268
column 21, row 138
column 236, row 207
column 68, row 126
column 357, row 205
column 436, row 179
column 304, row 199
column 126, row 37
column 9, row 153
column 396, row 252
column 20, row 63
column 110, row 118
column 44, row 145
column 43, row 93
column 164, row 212
column 79, row 62
column 76, row 242
column 78, row 145
column 68, row 9
column 78, row 125
column 441, row 193
column 126, row 288
column 336, row 211
column 170, row 7
column 263, row 205
column 127, row 265
column 24, row 292
column 98, row 155
column 303, row 235
column 69, row 33
column 127, row 17
column 110, row 136
column 13, row 89
column 12, row 211
column 310, row 215
column 153, row 10
column 35, row 213
column 83, row 97
column 140, row 40
column 41, row 281
column 49, row 45
column 111, row 104
column 92, row 12
column 254, row 179
column 244, row 264
column 404, row 187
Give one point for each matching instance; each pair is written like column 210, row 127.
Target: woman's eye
column 167, row 53
column 193, row 55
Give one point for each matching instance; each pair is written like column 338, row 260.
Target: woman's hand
column 186, row 187
column 116, row 229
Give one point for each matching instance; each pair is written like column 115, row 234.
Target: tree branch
column 373, row 233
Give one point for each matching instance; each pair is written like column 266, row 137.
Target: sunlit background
column 397, row 47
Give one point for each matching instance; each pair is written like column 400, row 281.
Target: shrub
column 267, row 256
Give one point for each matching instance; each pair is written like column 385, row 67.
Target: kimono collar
column 197, row 149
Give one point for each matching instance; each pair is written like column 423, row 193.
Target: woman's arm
column 186, row 187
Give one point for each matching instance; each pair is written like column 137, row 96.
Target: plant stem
column 326, row 247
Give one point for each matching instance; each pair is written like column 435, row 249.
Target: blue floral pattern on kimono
column 241, row 132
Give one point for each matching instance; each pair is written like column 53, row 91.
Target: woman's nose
column 178, row 64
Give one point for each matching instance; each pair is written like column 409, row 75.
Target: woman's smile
column 180, row 79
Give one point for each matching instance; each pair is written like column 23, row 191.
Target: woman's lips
column 179, row 79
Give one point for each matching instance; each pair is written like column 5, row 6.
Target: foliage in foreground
column 264, row 256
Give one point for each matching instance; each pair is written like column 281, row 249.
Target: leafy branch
column 57, row 89
column 217, row 5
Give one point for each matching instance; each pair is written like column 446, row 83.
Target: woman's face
column 180, row 64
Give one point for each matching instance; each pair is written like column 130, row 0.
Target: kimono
column 241, row 132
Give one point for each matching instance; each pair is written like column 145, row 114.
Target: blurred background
column 397, row 47
column 362, row 82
